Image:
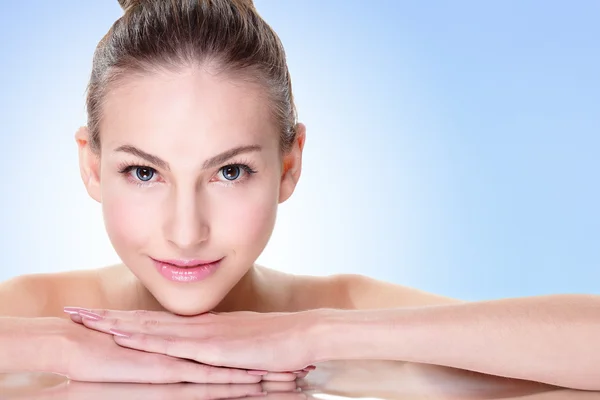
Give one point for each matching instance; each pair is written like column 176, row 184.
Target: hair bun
column 129, row 4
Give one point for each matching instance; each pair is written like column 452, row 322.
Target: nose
column 186, row 225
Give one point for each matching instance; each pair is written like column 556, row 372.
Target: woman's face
column 190, row 173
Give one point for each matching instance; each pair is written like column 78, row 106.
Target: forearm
column 550, row 339
column 29, row 344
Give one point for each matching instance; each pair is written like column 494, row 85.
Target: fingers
column 193, row 372
column 142, row 367
column 138, row 322
column 159, row 339
column 147, row 326
column 136, row 315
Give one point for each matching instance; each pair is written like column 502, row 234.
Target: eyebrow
column 210, row 163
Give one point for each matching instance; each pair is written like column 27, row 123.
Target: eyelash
column 127, row 168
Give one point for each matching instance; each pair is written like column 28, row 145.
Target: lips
column 188, row 270
column 187, row 263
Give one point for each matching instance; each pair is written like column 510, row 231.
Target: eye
column 231, row 172
column 144, row 174
column 235, row 173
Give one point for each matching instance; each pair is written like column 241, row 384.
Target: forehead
column 184, row 110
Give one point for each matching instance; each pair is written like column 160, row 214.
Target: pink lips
column 186, row 263
column 186, row 270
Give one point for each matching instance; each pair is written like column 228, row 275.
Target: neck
column 246, row 295
column 259, row 290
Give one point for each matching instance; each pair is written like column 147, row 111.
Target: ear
column 292, row 165
column 89, row 164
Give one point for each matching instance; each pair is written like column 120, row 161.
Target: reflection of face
column 172, row 189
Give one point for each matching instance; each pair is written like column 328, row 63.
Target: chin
column 188, row 307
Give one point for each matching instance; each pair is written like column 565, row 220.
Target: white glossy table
column 332, row 380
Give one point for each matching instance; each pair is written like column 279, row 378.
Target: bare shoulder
column 45, row 294
column 363, row 292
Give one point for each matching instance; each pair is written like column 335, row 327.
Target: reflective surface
column 333, row 380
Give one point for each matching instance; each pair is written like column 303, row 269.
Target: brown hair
column 226, row 34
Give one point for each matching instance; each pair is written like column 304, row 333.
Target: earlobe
column 89, row 164
column 292, row 165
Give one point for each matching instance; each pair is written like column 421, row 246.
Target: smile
column 186, row 271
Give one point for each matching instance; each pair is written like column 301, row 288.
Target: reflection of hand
column 87, row 355
column 277, row 342
column 180, row 391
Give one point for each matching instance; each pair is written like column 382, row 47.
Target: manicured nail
column 257, row 372
column 89, row 315
column 119, row 333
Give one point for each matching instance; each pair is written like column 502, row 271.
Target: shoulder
column 45, row 294
column 363, row 292
column 24, row 296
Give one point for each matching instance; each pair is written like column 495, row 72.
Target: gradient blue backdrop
column 452, row 146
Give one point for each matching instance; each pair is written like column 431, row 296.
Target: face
column 190, row 174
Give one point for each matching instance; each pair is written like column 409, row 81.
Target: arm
column 29, row 344
column 26, row 342
column 549, row 339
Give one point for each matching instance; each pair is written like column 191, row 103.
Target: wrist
column 31, row 344
column 360, row 334
column 336, row 334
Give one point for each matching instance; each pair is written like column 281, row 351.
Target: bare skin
column 261, row 290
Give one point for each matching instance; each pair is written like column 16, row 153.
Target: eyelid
column 126, row 168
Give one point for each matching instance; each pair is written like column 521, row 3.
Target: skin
column 185, row 118
column 179, row 120
column 186, row 210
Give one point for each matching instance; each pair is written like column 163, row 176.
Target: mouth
column 186, row 270
column 186, row 263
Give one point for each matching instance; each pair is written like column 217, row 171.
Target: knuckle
column 150, row 324
column 217, row 375
column 102, row 313
column 169, row 344
column 114, row 323
column 140, row 313
column 142, row 340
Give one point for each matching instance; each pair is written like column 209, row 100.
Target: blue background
column 452, row 146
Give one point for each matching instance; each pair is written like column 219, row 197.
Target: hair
column 228, row 35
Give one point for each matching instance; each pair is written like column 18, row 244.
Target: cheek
column 126, row 220
column 248, row 221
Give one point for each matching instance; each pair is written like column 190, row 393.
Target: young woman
column 192, row 141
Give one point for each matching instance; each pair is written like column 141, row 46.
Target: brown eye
column 144, row 173
column 231, row 172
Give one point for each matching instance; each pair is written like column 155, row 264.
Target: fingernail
column 258, row 372
column 119, row 333
column 90, row 315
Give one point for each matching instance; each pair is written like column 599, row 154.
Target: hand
column 268, row 342
column 92, row 356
